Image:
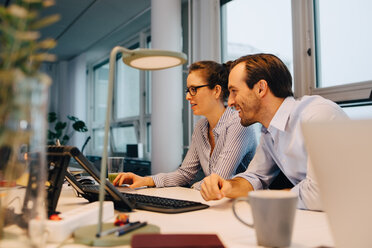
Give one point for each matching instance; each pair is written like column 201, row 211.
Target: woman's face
column 205, row 99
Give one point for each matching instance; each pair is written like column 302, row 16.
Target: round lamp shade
column 149, row 59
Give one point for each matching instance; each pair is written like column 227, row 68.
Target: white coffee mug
column 273, row 214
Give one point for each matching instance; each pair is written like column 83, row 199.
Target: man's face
column 241, row 97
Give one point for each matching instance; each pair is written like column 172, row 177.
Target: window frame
column 303, row 22
column 304, row 60
column 139, row 122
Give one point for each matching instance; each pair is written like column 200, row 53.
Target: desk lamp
column 144, row 59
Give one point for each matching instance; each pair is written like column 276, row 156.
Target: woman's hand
column 134, row 180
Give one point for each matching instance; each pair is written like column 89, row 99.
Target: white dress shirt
column 282, row 148
column 234, row 145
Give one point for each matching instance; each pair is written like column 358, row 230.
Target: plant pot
column 23, row 108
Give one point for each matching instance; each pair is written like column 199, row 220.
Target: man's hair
column 214, row 74
column 269, row 68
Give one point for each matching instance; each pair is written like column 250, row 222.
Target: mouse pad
column 87, row 235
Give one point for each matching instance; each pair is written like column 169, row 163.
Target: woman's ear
column 218, row 91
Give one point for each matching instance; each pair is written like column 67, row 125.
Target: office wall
column 68, row 92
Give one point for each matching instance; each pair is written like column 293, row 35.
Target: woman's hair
column 214, row 74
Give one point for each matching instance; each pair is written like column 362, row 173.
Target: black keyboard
column 91, row 188
column 155, row 203
column 162, row 204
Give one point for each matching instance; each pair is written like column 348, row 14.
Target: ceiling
column 93, row 26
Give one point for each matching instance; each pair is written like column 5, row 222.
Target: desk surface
column 310, row 229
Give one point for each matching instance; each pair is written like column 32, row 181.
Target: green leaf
column 45, row 21
column 58, row 134
column 52, row 117
column 65, row 139
column 27, row 35
column 20, row 23
column 47, row 44
column 60, row 126
column 40, row 57
column 51, row 135
column 80, row 126
column 17, row 11
column 72, row 118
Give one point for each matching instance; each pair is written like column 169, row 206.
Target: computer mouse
column 86, row 181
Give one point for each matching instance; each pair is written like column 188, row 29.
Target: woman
column 219, row 142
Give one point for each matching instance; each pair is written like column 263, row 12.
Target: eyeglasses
column 193, row 89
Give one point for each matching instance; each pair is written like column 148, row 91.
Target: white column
column 166, row 116
column 206, row 32
column 205, row 35
column 77, row 80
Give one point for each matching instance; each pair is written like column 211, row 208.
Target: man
column 261, row 90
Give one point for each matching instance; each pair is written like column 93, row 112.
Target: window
column 149, row 137
column 127, row 104
column 101, row 73
column 98, row 139
column 131, row 116
column 148, row 89
column 148, row 83
column 100, row 92
column 256, row 26
column 359, row 112
column 127, row 92
column 331, row 44
column 122, row 136
column 333, row 59
column 343, row 41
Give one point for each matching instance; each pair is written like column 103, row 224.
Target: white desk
column 310, row 228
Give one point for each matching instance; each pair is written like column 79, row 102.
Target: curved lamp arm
column 110, row 88
column 168, row 59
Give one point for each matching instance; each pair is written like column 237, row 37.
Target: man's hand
column 215, row 187
column 134, row 180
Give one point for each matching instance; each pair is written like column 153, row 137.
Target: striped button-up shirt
column 234, row 145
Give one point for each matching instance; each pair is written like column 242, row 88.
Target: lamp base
column 87, row 235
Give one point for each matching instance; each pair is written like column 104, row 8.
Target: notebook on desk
column 341, row 155
column 122, row 201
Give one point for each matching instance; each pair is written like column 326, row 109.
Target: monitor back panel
column 341, row 155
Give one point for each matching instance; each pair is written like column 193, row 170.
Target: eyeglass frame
column 194, row 88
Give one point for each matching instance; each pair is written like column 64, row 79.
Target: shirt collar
column 221, row 122
column 281, row 116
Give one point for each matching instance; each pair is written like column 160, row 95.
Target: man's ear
column 262, row 88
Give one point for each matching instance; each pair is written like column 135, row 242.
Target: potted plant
column 23, row 106
column 60, row 133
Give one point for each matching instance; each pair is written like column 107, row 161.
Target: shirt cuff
column 308, row 196
column 255, row 182
column 300, row 203
column 197, row 185
column 158, row 180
